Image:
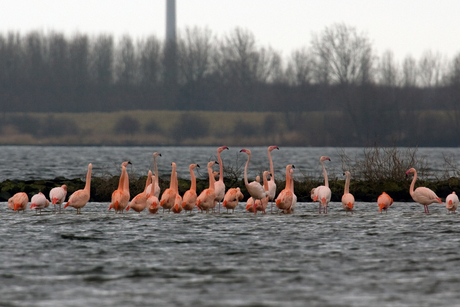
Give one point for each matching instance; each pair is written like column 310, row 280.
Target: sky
column 406, row 27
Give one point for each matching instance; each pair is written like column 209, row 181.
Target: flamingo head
column 64, row 187
column 247, row 151
column 265, row 175
column 125, row 164
column 270, row 148
column 192, row 166
column 409, row 171
column 347, row 173
column 211, row 163
column 258, row 178
column 215, row 174
column 220, row 149
column 324, row 158
column 156, row 154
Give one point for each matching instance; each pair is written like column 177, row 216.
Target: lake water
column 98, row 258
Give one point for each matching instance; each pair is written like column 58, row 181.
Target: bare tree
column 388, row 70
column 300, row 68
column 103, row 60
column 409, row 72
column 431, row 69
column 343, row 56
column 125, row 64
column 150, row 61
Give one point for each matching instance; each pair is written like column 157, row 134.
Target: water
column 48, row 162
column 402, row 258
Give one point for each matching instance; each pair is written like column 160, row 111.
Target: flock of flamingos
column 207, row 200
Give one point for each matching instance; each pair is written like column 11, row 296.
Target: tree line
column 374, row 95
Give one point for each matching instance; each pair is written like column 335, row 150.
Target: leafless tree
column 150, row 61
column 409, row 72
column 431, row 69
column 342, row 55
column 126, row 62
column 300, row 68
column 103, row 60
column 388, row 70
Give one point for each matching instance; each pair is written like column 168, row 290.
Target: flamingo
column 18, row 202
column 384, row 201
column 322, row 193
column 294, row 197
column 255, row 189
column 231, row 199
column 177, row 208
column 348, row 200
column 422, row 195
column 250, row 202
column 206, row 199
column 169, row 195
column 286, row 196
column 139, row 201
column 190, row 196
column 154, row 178
column 57, row 196
column 261, row 205
column 271, row 182
column 120, row 197
column 79, row 198
column 452, row 202
column 39, row 202
column 152, row 203
column 219, row 185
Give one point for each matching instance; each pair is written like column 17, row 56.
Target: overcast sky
column 403, row 26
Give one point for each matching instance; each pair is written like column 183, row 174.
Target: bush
column 190, row 126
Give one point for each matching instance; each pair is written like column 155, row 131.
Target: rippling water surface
column 402, row 258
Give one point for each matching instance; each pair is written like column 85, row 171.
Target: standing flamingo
column 231, row 199
column 169, row 195
column 422, row 195
column 190, row 196
column 286, row 196
column 139, row 201
column 18, row 202
column 120, row 197
column 384, row 201
column 452, row 202
column 294, row 197
column 261, row 205
column 255, row 189
column 206, row 199
column 177, row 208
column 348, row 200
column 80, row 198
column 57, row 196
column 322, row 193
column 219, row 185
column 271, row 182
column 250, row 202
column 39, row 202
column 155, row 182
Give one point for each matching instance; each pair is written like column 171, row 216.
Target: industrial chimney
column 171, row 20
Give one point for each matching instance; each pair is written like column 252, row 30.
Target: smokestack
column 171, row 21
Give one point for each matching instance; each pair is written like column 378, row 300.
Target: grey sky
column 405, row 27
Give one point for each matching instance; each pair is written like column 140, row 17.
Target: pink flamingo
column 120, row 197
column 18, row 202
column 190, row 196
column 153, row 204
column 231, row 199
column 39, row 202
column 294, row 197
column 206, row 199
column 219, row 186
column 261, row 205
column 57, row 196
column 322, row 193
column 169, row 195
column 286, row 196
column 271, row 182
column 155, row 181
column 384, row 201
column 452, row 202
column 422, row 195
column 250, row 202
column 139, row 202
column 255, row 189
column 80, row 198
column 177, row 208
column 348, row 200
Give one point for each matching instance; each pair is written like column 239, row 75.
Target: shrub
column 190, row 126
column 127, row 124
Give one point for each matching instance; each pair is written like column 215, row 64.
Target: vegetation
column 336, row 85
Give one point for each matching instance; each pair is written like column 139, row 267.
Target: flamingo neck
column 347, row 185
column 156, row 171
column 171, row 183
column 176, row 183
column 292, row 181
column 122, row 178
column 271, row 166
column 125, row 180
column 221, row 167
column 88, row 180
column 412, row 185
column 147, row 182
column 288, row 179
column 211, row 179
column 246, row 171
column 192, row 175
column 265, row 183
column 326, row 182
